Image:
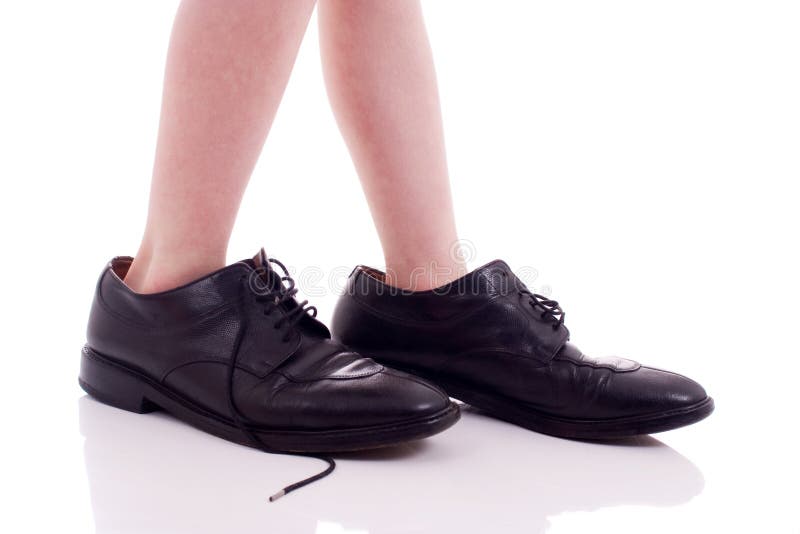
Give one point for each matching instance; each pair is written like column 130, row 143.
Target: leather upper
column 484, row 308
column 292, row 377
column 483, row 332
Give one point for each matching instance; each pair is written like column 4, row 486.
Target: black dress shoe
column 490, row 342
column 236, row 355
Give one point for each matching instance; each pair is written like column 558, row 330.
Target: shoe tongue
column 260, row 260
column 264, row 270
column 310, row 327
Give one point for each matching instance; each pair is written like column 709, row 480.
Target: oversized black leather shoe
column 490, row 342
column 236, row 355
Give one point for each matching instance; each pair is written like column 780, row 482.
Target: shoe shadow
column 154, row 474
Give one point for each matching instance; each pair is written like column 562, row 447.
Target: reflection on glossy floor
column 154, row 474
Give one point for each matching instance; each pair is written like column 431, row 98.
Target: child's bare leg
column 228, row 64
column 382, row 86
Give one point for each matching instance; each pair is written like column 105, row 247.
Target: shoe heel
column 112, row 385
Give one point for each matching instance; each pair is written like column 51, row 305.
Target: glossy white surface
column 130, row 473
column 148, row 474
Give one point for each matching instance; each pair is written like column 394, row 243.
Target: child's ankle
column 153, row 273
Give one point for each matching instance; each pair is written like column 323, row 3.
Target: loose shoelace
column 273, row 298
column 550, row 309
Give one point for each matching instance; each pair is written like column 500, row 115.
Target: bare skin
column 227, row 67
column 382, row 86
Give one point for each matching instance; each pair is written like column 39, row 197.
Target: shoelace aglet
column 306, row 481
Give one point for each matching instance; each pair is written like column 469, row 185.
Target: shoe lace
column 549, row 309
column 273, row 298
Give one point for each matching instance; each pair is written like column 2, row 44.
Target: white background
column 642, row 157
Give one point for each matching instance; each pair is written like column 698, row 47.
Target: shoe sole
column 520, row 414
column 116, row 384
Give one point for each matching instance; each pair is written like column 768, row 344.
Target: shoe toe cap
column 654, row 390
column 385, row 397
column 686, row 392
column 674, row 390
column 409, row 396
